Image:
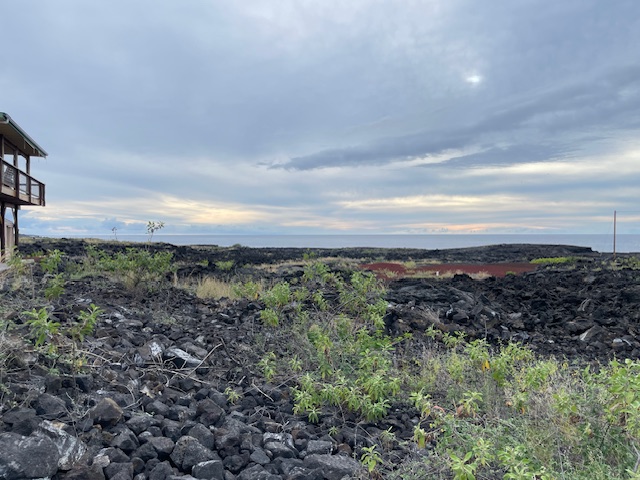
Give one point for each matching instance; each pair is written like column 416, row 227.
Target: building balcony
column 18, row 187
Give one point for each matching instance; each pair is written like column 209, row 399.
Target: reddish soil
column 387, row 270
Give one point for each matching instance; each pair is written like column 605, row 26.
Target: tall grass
column 213, row 288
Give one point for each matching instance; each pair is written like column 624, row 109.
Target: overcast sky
column 328, row 116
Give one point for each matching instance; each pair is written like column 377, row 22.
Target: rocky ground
column 168, row 385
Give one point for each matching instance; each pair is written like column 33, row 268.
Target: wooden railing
column 23, row 188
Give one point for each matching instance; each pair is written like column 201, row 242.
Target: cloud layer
column 325, row 117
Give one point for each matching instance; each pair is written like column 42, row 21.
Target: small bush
column 248, row 290
column 134, row 267
column 278, row 296
column 55, row 287
column 225, row 266
column 553, row 260
column 51, row 263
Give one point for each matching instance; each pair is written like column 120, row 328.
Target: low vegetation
column 136, row 268
column 481, row 411
column 554, row 260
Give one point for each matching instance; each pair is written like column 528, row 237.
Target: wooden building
column 17, row 187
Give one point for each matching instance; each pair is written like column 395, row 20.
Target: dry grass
column 214, row 288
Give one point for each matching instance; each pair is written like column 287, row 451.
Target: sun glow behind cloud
column 474, row 79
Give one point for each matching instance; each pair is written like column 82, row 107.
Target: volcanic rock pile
column 171, row 387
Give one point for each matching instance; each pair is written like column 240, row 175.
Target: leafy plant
column 483, row 451
column 420, row 436
column 469, row 405
column 43, row 328
column 453, row 341
column 135, row 266
column 278, row 296
column 316, row 272
column 55, row 287
column 319, row 301
column 370, row 457
column 85, row 323
column 519, row 466
column 232, row 395
column 421, row 402
column 622, row 382
column 269, row 317
column 153, row 227
column 463, row 468
column 387, row 437
column 313, row 414
column 249, row 290
column 51, row 262
column 295, row 364
column 268, row 365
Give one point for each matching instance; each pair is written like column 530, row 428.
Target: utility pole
column 615, row 214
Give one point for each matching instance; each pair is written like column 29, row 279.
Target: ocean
column 625, row 243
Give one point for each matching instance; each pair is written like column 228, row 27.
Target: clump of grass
column 213, row 288
column 225, row 265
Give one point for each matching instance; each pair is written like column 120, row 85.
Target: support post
column 3, row 229
column 1, row 158
column 15, row 226
column 615, row 214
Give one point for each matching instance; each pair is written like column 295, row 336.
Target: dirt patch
column 390, row 270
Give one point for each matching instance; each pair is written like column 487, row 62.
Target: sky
column 328, row 117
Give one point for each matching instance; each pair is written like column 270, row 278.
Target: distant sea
column 625, row 243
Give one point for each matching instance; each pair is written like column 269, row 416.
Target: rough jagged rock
column 27, row 457
column 180, row 358
column 333, row 467
column 189, row 452
column 157, row 411
column 106, row 412
column 70, row 448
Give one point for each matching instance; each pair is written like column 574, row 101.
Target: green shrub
column 135, row 267
column 225, row 266
column 248, row 290
column 51, row 263
column 278, row 296
column 42, row 327
column 55, row 287
column 553, row 260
